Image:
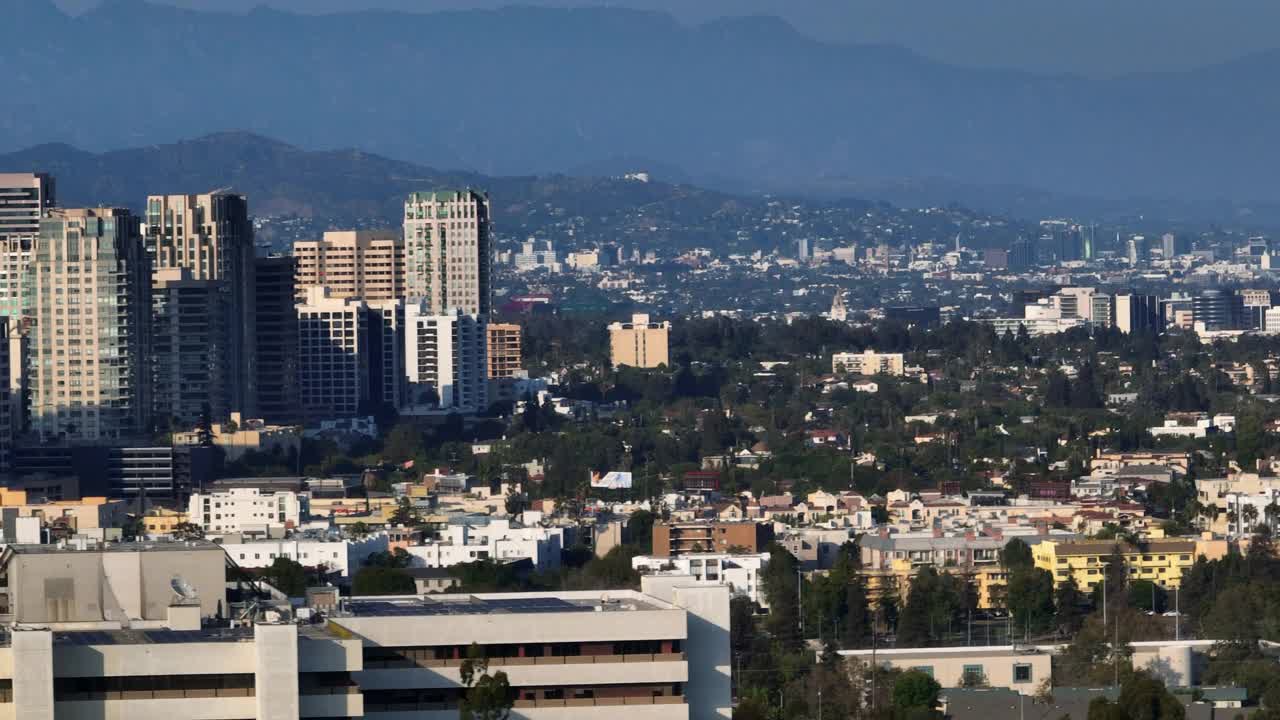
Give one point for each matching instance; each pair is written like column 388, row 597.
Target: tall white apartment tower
column 212, row 237
column 444, row 358
column 448, row 248
column 90, row 285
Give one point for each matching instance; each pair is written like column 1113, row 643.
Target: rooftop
column 513, row 604
column 49, row 549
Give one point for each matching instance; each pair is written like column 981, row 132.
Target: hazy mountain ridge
column 528, row 90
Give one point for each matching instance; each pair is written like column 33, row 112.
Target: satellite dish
column 183, row 589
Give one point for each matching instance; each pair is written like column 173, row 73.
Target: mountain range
column 742, row 104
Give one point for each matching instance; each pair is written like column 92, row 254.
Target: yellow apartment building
column 1163, row 562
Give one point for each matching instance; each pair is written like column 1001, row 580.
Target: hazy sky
column 1087, row 36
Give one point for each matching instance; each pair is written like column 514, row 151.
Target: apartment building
column 1163, row 562
column 91, row 304
column 363, row 264
column 640, row 343
column 189, row 364
column 341, row 556
column 867, row 363
column 335, row 355
column 741, row 573
column 444, row 358
column 276, row 325
column 13, row 387
column 448, row 251
column 675, row 539
column 504, row 356
column 498, row 540
column 211, row 235
column 24, row 199
column 247, row 510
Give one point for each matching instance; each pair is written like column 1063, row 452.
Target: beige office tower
column 90, row 286
column 504, row 350
column 24, row 199
column 188, row 356
column 639, row 343
column 447, row 247
column 365, row 264
column 212, row 237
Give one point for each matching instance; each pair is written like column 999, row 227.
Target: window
column 1021, row 673
column 974, row 671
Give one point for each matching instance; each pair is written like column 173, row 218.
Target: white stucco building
column 499, row 540
column 342, row 556
column 247, row 510
column 741, row 573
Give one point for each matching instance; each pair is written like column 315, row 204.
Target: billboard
column 611, row 480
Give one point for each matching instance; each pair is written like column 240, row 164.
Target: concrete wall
column 209, row 658
column 621, row 673
column 88, row 585
column 33, row 675
column 708, row 691
column 276, row 672
column 947, row 665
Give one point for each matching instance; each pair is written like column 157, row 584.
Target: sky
column 1090, row 37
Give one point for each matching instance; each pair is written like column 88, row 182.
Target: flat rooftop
column 72, row 547
column 495, row 606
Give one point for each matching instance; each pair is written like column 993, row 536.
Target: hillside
column 746, row 103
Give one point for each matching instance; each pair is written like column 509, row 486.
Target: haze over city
column 717, row 360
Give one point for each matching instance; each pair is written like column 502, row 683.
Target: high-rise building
column 334, row 351
column 1101, row 311
column 447, row 242
column 188, row 355
column 211, row 235
column 1022, row 254
column 276, row 323
column 12, row 357
column 639, row 343
column 444, row 359
column 1217, row 310
column 365, row 264
column 1255, row 304
column 386, row 330
column 505, row 360
column 91, row 303
column 24, row 199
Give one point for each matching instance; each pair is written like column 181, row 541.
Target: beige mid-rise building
column 868, row 363
column 504, row 350
column 212, row 237
column 90, row 304
column 639, row 343
column 365, row 264
column 447, row 245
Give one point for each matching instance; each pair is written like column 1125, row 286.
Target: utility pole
column 1177, row 615
column 800, row 595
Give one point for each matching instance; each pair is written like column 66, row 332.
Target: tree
column 187, row 531
column 1068, row 604
column 1016, row 555
column 779, row 583
column 379, row 580
column 640, row 529
column 487, row 697
column 287, row 576
column 1031, row 598
column 914, row 689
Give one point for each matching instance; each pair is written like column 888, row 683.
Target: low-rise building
column 869, row 362
column 673, row 539
column 499, row 539
column 248, row 510
column 241, row 435
column 343, row 557
column 1163, row 562
column 1002, row 666
column 740, row 572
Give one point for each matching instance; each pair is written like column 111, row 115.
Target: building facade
column 674, row 539
column 364, row 264
column 504, row 350
column 212, row 237
column 639, row 343
column 448, row 253
column 247, row 509
column 444, row 358
column 867, row 363
column 334, row 356
column 1163, row 562
column 90, row 300
column 24, row 199
column 188, row 358
column 276, row 325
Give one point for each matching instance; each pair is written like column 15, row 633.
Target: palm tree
column 1272, row 511
column 1250, row 513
